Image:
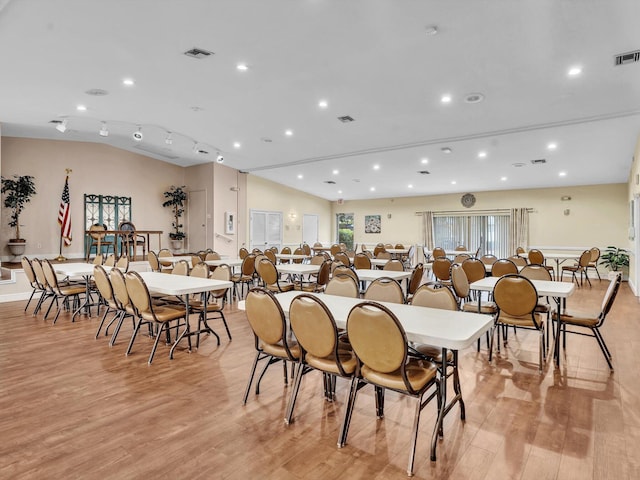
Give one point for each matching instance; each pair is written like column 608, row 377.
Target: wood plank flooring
column 71, row 407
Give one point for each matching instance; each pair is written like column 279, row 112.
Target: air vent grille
column 198, row 53
column 55, row 122
column 346, row 119
column 629, row 57
column 538, row 161
column 424, row 172
column 330, row 182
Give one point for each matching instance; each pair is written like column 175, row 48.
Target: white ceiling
column 370, row 59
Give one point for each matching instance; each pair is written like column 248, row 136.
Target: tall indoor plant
column 18, row 192
column 175, row 198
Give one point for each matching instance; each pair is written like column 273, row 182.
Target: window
column 108, row 210
column 489, row 233
column 344, row 227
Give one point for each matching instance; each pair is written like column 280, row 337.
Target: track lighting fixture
column 62, row 127
column 219, row 158
column 137, row 135
column 103, row 130
column 169, row 139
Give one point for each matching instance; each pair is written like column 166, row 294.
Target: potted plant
column 175, row 198
column 18, row 192
column 615, row 258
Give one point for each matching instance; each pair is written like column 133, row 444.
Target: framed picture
column 229, row 223
column 372, row 224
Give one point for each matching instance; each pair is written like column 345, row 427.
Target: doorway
column 265, row 229
column 197, row 221
column 310, row 228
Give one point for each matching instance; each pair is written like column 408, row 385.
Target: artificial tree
column 18, row 192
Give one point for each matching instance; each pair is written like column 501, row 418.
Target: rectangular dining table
column 183, row 286
column 80, row 269
column 545, row 288
column 446, row 329
column 560, row 258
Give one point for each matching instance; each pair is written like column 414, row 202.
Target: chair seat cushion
column 419, row 374
column 281, row 287
column 328, row 364
column 584, row 319
column 434, row 353
column 277, row 350
column 72, row 290
column 485, row 307
column 164, row 314
column 524, row 321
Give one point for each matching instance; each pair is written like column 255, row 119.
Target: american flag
column 64, row 214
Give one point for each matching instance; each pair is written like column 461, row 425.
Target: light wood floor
column 71, row 407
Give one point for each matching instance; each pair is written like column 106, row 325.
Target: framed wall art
column 372, row 224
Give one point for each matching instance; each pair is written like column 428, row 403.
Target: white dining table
column 232, row 262
column 560, row 258
column 292, row 256
column 379, row 262
column 80, row 269
column 182, row 285
column 447, row 329
column 298, row 270
column 545, row 288
column 175, row 259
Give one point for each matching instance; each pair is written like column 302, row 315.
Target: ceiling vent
column 346, row 119
column 330, row 182
column 97, row 92
column 198, row 53
column 629, row 57
column 424, row 172
column 55, row 122
column 538, row 161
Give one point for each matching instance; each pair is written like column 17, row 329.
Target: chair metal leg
column 348, row 411
column 414, row 436
column 253, row 371
column 164, row 326
column 294, row 394
column 133, row 336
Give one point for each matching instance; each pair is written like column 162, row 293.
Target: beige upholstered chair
column 384, row 289
column 461, row 288
column 593, row 263
column 150, row 314
column 272, row 341
column 361, row 262
column 320, row 347
column 474, row 269
column 441, row 270
column 384, row 255
column 121, row 296
column 98, row 259
column 342, row 257
column 103, row 284
column 181, row 267
column 215, row 299
column 41, row 280
column 380, row 344
column 242, row 252
column 110, row 261
column 536, row 257
column 438, row 252
column 461, row 257
column 580, row 267
column 60, row 292
column 344, row 270
column 97, row 235
column 518, row 260
column 270, row 277
column 516, row 298
column 461, row 248
column 165, row 266
column 321, row 279
column 415, row 280
column 306, row 249
column 154, row 263
column 33, row 281
column 379, row 248
column 592, row 321
column 488, row 259
column 394, row 266
column 245, row 276
column 343, row 286
column 123, row 263
column 503, row 267
column 335, row 248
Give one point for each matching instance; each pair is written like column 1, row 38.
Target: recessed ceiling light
column 336, row 172
column 424, row 161
column 339, row 191
column 446, row 150
column 573, row 71
column 323, row 104
column 300, row 176
column 243, row 67
column 453, row 182
column 562, row 174
column 376, row 167
column 431, row 30
column 288, row 133
column 128, row 82
column 503, row 179
column 409, row 186
column 81, row 108
column 473, row 97
column 552, row 146
column 237, row 144
column 482, row 154
column 445, row 98
column 373, row 189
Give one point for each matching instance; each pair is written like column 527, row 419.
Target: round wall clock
column 468, row 200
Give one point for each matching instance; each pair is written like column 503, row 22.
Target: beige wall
column 266, row 195
column 598, row 215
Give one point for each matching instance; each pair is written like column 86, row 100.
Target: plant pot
column 16, row 248
column 176, row 245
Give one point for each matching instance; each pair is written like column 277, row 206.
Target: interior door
column 310, row 228
column 197, row 221
column 266, row 229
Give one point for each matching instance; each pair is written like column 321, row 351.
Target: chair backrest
column 474, row 269
column 128, row 227
column 378, row 339
column 298, row 251
column 342, row 286
column 344, row 270
column 181, row 268
column 536, row 256
column 435, row 296
column 504, row 266
column 459, row 281
column 379, row 248
column 266, row 319
column 50, row 275
column 103, row 283
column 165, row 252
column 270, row 255
column 399, row 246
column 98, row 259
column 595, row 254
column 256, row 262
column 536, row 272
column 96, row 231
column 585, row 259
column 110, row 261
column 520, row 251
column 441, row 267
column 515, row 295
column 138, row 292
column 384, row 254
column 267, row 271
column 248, row 266
column 243, row 252
column 200, row 270
column 285, row 251
column 306, row 249
column 438, row 252
column 222, row 272
column 39, row 273
column 361, row 262
column 315, row 328
column 195, row 259
column 342, row 257
column 488, row 259
column 610, row 295
column 461, row 257
column 384, row 289
column 212, row 256
column 119, row 288
column 394, row 265
column 274, row 249
column 317, row 244
column 317, row 260
column 416, row 278
column 123, row 263
column 324, row 273
column 153, row 261
column 461, row 248
column 28, row 271
column 518, row 260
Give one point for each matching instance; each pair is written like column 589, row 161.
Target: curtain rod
column 473, row 212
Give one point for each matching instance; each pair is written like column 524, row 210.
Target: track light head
column 137, row 135
column 62, row 127
column 169, row 139
column 103, row 130
column 219, row 158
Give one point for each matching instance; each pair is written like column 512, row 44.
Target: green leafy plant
column 615, row 258
column 175, row 198
column 18, row 192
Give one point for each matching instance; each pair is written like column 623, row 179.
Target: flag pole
column 60, row 257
